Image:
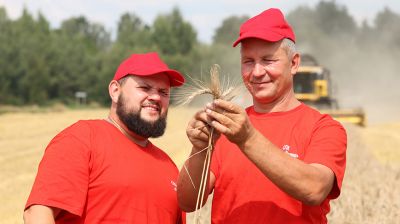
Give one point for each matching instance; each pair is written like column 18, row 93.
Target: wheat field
column 370, row 194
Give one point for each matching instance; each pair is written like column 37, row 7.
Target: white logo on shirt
column 174, row 185
column 286, row 149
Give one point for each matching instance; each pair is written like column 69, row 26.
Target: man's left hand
column 230, row 120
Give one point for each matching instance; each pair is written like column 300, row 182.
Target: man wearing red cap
column 107, row 171
column 278, row 161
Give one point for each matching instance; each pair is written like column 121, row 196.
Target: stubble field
column 370, row 194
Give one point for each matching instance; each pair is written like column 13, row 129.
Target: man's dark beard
column 139, row 126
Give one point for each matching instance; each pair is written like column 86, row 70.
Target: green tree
column 303, row 21
column 6, row 55
column 28, row 80
column 387, row 29
column 133, row 33
column 175, row 40
column 75, row 65
column 133, row 36
column 229, row 30
column 323, row 30
column 173, row 35
column 334, row 19
column 35, row 82
column 93, row 35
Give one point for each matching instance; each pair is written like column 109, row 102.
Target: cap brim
column 175, row 77
column 267, row 36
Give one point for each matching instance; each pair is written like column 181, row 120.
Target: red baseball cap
column 270, row 25
column 147, row 64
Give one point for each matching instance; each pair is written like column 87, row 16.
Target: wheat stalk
column 226, row 91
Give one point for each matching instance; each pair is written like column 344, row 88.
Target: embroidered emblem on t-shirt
column 286, row 148
column 174, row 186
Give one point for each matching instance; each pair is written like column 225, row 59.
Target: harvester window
column 304, row 82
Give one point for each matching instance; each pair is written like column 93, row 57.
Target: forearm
column 309, row 183
column 190, row 179
column 40, row 214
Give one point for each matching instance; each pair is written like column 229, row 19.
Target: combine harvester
column 313, row 86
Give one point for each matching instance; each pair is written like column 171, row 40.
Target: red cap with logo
column 145, row 65
column 270, row 25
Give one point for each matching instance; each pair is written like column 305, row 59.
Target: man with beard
column 107, row 171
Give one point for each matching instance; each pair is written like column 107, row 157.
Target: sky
column 204, row 15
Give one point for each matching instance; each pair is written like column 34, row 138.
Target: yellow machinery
column 312, row 85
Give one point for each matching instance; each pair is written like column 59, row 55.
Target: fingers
column 230, row 120
column 199, row 123
column 203, row 119
column 198, row 130
column 219, row 121
column 200, row 134
column 226, row 106
column 223, row 115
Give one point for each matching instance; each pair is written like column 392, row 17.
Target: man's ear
column 114, row 89
column 295, row 63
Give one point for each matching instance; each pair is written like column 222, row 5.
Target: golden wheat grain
column 226, row 90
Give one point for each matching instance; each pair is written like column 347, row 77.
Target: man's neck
column 284, row 103
column 137, row 139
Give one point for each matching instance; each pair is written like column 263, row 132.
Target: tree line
column 43, row 65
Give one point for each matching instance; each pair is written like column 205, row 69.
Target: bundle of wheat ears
column 225, row 90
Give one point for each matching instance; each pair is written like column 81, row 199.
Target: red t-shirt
column 242, row 193
column 97, row 175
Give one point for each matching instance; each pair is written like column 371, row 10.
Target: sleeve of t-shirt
column 63, row 173
column 328, row 147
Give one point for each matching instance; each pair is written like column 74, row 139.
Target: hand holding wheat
column 231, row 121
column 199, row 130
column 200, row 133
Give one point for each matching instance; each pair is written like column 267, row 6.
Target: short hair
column 122, row 80
column 289, row 46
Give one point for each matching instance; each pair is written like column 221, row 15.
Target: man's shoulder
column 313, row 113
column 302, row 111
column 90, row 122
column 322, row 122
column 85, row 125
column 81, row 129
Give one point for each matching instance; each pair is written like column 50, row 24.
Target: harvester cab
column 313, row 86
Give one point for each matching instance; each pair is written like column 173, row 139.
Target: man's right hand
column 198, row 131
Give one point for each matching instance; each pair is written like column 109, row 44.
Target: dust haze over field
column 363, row 58
column 368, row 79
